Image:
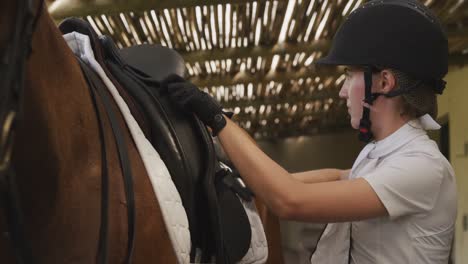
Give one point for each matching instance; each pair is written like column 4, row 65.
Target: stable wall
column 453, row 104
column 338, row 150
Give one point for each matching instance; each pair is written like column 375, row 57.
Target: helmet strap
column 365, row 133
column 394, row 93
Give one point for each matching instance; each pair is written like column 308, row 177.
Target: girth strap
column 122, row 150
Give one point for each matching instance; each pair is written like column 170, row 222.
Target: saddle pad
column 258, row 251
column 166, row 193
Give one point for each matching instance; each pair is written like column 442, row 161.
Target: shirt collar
column 412, row 129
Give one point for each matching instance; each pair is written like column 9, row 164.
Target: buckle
column 6, row 142
column 233, row 181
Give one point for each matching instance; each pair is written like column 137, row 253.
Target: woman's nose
column 343, row 92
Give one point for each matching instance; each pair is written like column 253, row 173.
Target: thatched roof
column 255, row 57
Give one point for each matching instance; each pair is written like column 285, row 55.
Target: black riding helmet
column 399, row 34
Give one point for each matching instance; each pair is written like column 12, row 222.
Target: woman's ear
column 388, row 81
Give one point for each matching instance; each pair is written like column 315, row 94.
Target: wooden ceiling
column 255, row 57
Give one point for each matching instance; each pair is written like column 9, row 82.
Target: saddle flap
column 234, row 223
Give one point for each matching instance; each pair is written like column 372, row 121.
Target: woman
column 398, row 202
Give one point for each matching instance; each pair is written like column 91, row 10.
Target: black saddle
column 218, row 222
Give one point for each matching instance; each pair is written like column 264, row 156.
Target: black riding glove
column 190, row 98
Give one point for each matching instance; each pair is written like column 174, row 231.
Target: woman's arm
column 291, row 199
column 322, row 175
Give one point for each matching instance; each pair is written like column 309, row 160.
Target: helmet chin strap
column 365, row 133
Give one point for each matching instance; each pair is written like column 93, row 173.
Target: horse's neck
column 56, row 137
column 52, row 61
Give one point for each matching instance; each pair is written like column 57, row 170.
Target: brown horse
column 57, row 163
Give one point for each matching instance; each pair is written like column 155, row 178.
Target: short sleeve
column 407, row 184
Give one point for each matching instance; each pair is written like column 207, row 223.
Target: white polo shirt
column 417, row 186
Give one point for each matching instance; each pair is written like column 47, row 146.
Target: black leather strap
column 93, row 81
column 365, row 133
column 102, row 256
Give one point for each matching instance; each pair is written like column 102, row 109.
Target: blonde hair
column 419, row 100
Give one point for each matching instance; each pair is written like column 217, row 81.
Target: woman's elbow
column 286, row 208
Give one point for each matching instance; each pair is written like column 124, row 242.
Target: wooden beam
column 291, row 99
column 66, row 8
column 265, row 51
column 270, row 133
column 246, row 78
